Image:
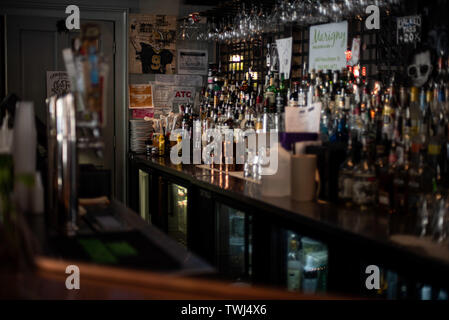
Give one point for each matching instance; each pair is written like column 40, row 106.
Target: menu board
column 409, row 29
column 327, row 45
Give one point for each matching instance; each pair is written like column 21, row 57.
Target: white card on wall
column 58, row 83
column 327, row 46
column 284, row 47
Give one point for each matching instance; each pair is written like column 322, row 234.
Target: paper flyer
column 303, row 120
column 284, row 47
column 192, row 61
column 140, row 96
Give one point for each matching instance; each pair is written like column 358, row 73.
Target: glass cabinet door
column 144, row 196
column 177, row 213
column 234, row 242
column 307, row 262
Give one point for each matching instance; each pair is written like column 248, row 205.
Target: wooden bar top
column 47, row 281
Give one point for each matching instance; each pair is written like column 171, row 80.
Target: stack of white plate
column 140, row 131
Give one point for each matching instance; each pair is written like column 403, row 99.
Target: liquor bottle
column 268, row 57
column 365, row 183
column 346, row 177
column 416, row 118
column 400, row 182
column 266, row 123
column 283, row 87
column 311, row 90
column 279, row 116
column 161, row 144
column 259, row 98
column 259, row 120
column 439, row 223
column 210, row 79
column 385, row 172
column 293, row 99
column 270, row 92
column 388, row 118
column 302, row 93
column 414, row 183
column 228, row 122
column 294, row 266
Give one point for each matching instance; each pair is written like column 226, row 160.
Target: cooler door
column 144, row 196
column 306, row 262
column 177, row 213
column 234, row 243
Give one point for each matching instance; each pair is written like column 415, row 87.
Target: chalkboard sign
column 409, row 29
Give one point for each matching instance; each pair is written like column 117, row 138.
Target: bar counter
column 371, row 236
column 181, row 261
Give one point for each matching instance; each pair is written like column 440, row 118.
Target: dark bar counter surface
column 370, row 235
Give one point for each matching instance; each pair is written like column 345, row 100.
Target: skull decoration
column 421, row 69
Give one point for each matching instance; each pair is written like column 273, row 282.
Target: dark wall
column 2, row 58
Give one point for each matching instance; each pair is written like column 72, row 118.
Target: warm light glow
column 357, row 71
column 235, row 58
column 253, row 75
column 348, row 55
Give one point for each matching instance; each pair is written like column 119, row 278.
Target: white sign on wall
column 327, row 46
column 58, row 83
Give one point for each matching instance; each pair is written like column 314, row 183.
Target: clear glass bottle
column 346, row 177
column 365, row 182
column 400, row 182
column 294, row 266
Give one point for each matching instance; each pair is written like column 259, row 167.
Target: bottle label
column 364, row 191
column 345, row 187
column 384, row 198
column 434, row 149
column 271, row 97
column 293, row 281
column 301, row 99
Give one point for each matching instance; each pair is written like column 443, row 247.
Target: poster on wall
column 163, row 96
column 284, row 48
column 409, row 29
column 58, row 83
column 140, row 96
column 143, row 113
column 327, row 46
column 192, row 62
column 183, row 94
column 152, row 47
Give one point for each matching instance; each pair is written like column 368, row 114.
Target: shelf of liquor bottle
column 371, row 235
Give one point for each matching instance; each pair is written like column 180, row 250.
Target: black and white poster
column 192, row 62
column 152, row 47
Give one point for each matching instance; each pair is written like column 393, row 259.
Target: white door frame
column 120, row 18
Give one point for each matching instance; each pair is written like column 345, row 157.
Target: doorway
column 34, row 44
